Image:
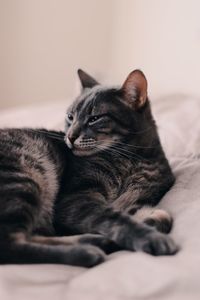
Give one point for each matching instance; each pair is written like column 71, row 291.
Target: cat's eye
column 70, row 117
column 93, row 119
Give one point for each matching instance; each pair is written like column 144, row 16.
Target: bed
column 126, row 275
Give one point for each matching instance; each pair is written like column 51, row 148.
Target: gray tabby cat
column 103, row 186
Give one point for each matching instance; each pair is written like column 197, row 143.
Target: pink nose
column 72, row 138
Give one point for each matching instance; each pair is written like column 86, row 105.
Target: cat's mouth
column 84, row 147
column 84, row 150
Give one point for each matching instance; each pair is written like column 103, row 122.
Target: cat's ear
column 135, row 89
column 86, row 80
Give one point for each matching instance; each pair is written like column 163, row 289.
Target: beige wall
column 43, row 42
column 162, row 37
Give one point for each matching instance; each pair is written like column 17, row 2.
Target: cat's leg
column 19, row 207
column 97, row 240
column 95, row 216
column 156, row 217
column 22, row 250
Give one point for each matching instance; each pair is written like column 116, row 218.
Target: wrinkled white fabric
column 127, row 275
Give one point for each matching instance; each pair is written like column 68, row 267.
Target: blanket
column 127, row 275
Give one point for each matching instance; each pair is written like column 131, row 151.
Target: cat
column 68, row 197
column 119, row 171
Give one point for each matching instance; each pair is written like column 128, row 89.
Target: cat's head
column 101, row 118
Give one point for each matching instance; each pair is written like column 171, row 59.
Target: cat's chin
column 84, row 152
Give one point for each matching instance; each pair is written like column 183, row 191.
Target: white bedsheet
column 127, row 275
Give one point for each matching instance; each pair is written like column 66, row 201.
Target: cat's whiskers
column 119, row 146
column 113, row 150
column 136, row 155
column 119, row 150
column 49, row 134
column 132, row 146
column 114, row 146
column 129, row 155
column 136, row 146
column 133, row 154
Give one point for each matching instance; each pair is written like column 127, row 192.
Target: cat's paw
column 161, row 220
column 86, row 256
column 163, row 226
column 156, row 243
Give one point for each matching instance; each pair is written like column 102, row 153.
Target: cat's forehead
column 96, row 100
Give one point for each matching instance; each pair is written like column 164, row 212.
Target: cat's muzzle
column 85, row 144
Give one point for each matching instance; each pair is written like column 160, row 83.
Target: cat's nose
column 72, row 138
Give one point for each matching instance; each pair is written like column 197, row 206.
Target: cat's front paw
column 156, row 243
column 86, row 256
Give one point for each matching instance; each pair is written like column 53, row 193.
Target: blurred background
column 44, row 42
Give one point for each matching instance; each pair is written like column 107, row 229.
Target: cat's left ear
column 134, row 89
column 86, row 80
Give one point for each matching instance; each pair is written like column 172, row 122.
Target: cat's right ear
column 86, row 80
column 135, row 89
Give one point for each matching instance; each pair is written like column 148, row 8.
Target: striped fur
column 118, row 167
column 32, row 163
column 113, row 167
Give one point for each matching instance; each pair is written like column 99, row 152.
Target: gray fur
column 113, row 167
